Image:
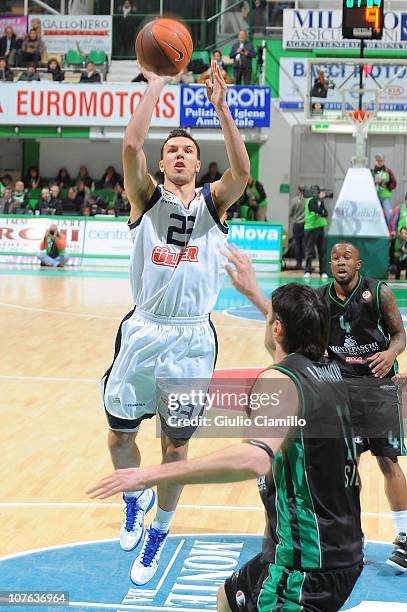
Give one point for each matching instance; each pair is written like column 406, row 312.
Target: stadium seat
column 73, row 58
column 97, row 57
column 203, row 56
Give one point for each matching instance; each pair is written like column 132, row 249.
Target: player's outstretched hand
column 130, row 479
column 381, row 363
column 241, row 271
column 216, row 88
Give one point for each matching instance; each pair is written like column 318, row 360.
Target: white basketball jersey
column 177, row 267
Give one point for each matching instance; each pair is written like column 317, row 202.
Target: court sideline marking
column 180, row 506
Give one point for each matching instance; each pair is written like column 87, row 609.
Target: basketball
column 164, row 46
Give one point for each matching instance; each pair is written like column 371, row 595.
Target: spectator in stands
column 186, row 77
column 63, row 179
column 91, row 75
column 9, row 45
column 385, row 182
column 43, row 203
column 297, row 218
column 242, row 54
column 72, row 203
column 109, row 179
column 398, row 220
column 6, row 181
column 125, row 29
column 259, row 16
column 54, row 68
column 122, row 205
column 97, row 204
column 314, row 226
column 84, row 175
column 140, row 78
column 30, row 74
column 8, row 203
column 33, row 179
column 253, row 203
column 217, row 56
column 82, row 190
column 211, row 176
column 21, row 194
column 85, row 210
column 400, row 256
column 52, row 248
column 5, row 72
column 32, row 49
column 55, row 201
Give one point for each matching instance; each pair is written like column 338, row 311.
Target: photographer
column 314, row 227
column 321, row 86
column 297, row 218
column 52, row 249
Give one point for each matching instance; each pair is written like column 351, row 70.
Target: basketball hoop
column 360, row 120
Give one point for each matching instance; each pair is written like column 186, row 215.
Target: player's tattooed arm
column 382, row 362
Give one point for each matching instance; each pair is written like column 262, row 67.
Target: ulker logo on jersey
column 163, row 256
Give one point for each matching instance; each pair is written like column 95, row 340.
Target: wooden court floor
column 57, row 334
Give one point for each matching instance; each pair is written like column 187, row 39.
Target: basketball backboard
column 335, row 88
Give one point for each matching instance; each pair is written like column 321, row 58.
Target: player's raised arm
column 233, row 182
column 138, row 183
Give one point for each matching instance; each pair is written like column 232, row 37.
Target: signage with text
column 61, row 33
column 250, row 107
column 313, row 28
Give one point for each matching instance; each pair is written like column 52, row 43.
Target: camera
column 314, row 190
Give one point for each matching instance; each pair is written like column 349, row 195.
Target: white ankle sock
column 400, row 521
column 162, row 519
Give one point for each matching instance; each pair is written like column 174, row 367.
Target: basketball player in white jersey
column 176, row 269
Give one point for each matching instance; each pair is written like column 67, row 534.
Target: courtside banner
column 389, row 81
column 22, row 235
column 19, row 25
column 47, row 103
column 312, row 29
column 250, row 107
column 262, row 241
column 107, row 238
column 86, row 33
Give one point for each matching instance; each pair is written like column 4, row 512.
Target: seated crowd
column 83, row 195
column 64, row 195
column 26, row 59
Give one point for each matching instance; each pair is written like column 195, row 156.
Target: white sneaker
column 324, row 276
column 307, row 275
column 132, row 529
column 146, row 564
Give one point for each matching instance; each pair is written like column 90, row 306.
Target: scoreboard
column 362, row 19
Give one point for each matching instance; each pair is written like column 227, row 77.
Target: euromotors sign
column 311, row 29
column 112, row 104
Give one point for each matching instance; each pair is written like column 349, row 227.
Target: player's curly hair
column 177, row 132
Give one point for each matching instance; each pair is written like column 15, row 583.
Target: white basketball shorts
column 154, row 356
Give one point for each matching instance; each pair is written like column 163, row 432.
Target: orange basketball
column 164, row 46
